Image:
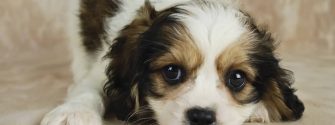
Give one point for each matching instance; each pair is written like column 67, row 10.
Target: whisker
column 143, row 109
column 142, row 121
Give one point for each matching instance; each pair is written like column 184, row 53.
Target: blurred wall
column 299, row 24
column 34, row 59
column 31, row 26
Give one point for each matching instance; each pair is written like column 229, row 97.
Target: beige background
column 34, row 59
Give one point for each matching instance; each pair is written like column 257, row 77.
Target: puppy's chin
column 202, row 62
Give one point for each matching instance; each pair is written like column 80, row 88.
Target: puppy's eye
column 173, row 74
column 236, row 80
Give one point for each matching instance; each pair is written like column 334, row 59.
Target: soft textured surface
column 34, row 57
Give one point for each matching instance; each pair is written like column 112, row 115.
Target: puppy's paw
column 256, row 120
column 68, row 114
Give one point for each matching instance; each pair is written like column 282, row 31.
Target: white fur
column 125, row 15
column 81, row 62
column 163, row 4
column 213, row 28
column 260, row 114
column 84, row 104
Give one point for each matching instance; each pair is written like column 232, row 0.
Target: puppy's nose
column 200, row 116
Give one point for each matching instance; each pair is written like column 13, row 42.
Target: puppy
column 189, row 62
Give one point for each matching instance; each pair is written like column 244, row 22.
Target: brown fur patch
column 235, row 57
column 183, row 52
column 92, row 17
column 274, row 102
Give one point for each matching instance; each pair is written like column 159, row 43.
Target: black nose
column 200, row 116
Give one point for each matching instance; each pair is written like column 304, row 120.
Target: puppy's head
column 199, row 63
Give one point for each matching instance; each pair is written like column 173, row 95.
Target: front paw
column 72, row 114
column 256, row 120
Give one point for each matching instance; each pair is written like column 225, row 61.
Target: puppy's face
column 203, row 72
column 200, row 63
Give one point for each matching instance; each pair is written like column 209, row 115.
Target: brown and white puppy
column 190, row 62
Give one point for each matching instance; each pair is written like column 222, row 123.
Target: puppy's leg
column 84, row 104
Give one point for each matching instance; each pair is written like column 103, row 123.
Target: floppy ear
column 274, row 82
column 126, row 67
column 279, row 99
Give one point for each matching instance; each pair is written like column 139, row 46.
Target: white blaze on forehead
column 212, row 26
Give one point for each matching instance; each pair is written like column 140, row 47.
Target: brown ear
column 274, row 86
column 280, row 101
column 124, row 71
column 272, row 82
